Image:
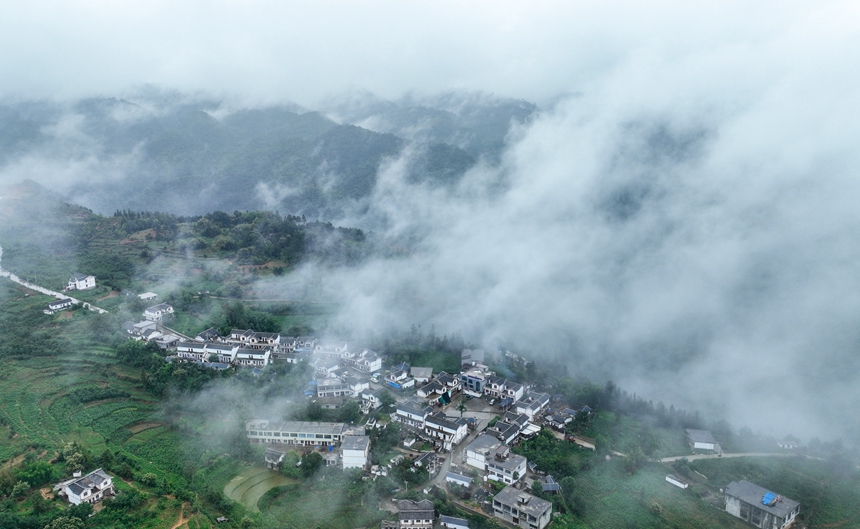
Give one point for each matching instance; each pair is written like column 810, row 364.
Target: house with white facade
column 354, row 451
column 447, row 431
column 332, row 387
column 81, row 282
column 412, row 414
column 481, row 450
column 416, row 515
column 533, row 405
column 57, row 306
column 702, row 440
column 506, row 466
column 148, row 296
column 91, row 488
column 302, row 433
column 422, row 375
column 522, row 509
column 157, row 312
column 252, row 357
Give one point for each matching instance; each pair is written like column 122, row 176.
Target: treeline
column 252, row 237
column 165, row 225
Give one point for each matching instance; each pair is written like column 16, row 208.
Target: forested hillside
column 176, row 154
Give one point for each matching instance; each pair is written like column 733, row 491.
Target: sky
column 681, row 216
column 302, row 51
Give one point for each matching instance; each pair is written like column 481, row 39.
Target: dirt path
column 182, row 519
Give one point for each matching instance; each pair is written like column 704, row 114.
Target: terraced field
column 36, row 409
column 249, row 485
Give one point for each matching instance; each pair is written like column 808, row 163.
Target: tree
column 311, row 462
column 386, row 398
column 461, row 406
column 65, row 522
column 20, row 489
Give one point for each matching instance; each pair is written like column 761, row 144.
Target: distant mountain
column 160, row 151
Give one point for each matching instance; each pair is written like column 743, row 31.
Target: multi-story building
column 296, row 432
column 522, row 509
column 759, row 507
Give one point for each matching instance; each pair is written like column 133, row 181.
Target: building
column 522, row 509
column 332, row 387
column 533, row 404
column 450, row 522
column 421, row 374
column 412, row 414
column 759, row 507
column 295, row 432
column 274, row 458
column 702, row 440
column 471, row 357
column 252, row 357
column 81, row 282
column 479, row 451
column 446, row 431
column 157, row 312
column 458, row 479
column 416, row 515
column 91, row 488
column 57, row 306
column 355, row 450
column 678, row 482
column 148, row 296
column 474, row 379
column 505, row 466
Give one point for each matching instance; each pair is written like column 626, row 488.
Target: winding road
column 43, row 290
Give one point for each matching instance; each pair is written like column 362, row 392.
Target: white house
column 702, row 440
column 505, row 466
column 332, row 387
column 450, row 522
column 81, row 282
column 448, row 431
column 421, row 375
column 56, row 306
column 148, row 296
column 355, row 450
column 458, row 479
column 480, row 451
column 194, row 351
column 157, row 312
column 91, row 488
column 416, row 515
column 252, row 357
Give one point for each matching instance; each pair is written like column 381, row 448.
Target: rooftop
column 529, row 504
column 753, row 494
column 355, row 442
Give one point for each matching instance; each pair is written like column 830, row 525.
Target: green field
column 251, row 484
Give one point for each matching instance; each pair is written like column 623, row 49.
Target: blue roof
column 768, row 498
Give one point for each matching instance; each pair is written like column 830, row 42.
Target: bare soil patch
column 145, row 425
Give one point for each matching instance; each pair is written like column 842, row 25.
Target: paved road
column 724, row 455
column 43, row 290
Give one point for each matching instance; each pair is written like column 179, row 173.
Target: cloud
column 687, row 227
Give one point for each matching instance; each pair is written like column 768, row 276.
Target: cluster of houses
column 76, row 282
column 511, row 505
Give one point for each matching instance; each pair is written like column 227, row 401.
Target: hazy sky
column 687, row 223
column 303, row 50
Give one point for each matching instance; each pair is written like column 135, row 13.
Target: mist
column 677, row 213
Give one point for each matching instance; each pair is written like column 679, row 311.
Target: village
column 459, row 427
